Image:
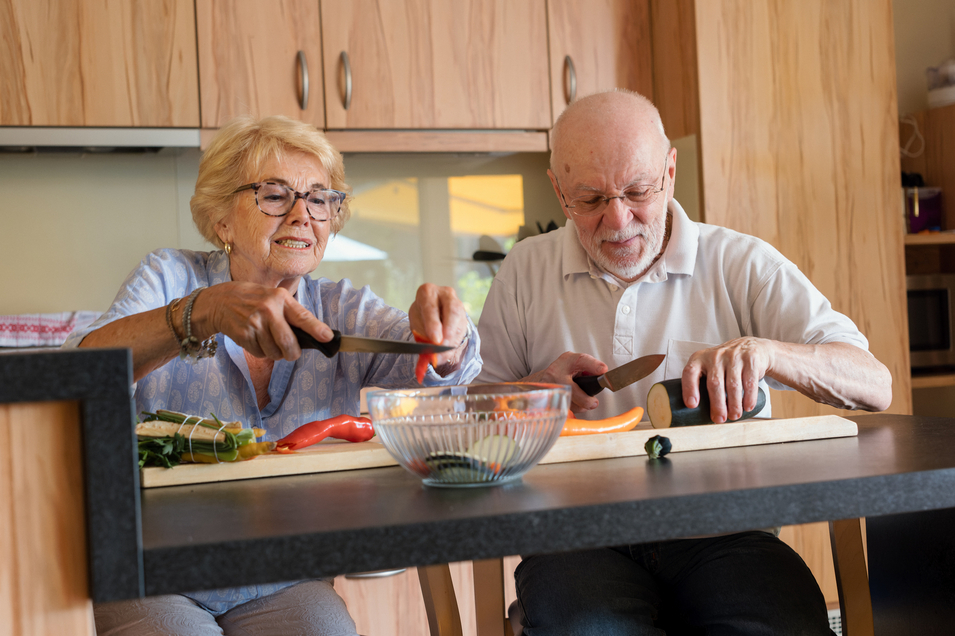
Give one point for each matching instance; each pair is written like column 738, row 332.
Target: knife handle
column 307, row 341
column 589, row 383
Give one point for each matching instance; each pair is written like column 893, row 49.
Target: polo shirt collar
column 680, row 254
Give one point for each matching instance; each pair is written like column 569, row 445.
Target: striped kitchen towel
column 42, row 330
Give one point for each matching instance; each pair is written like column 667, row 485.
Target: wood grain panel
column 435, row 64
column 675, row 82
column 110, row 63
column 799, row 146
column 607, row 40
column 393, row 606
column 248, row 59
column 388, row 606
column 43, row 574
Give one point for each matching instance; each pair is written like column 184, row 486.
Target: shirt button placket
column 624, row 324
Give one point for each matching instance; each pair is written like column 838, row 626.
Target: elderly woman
column 211, row 332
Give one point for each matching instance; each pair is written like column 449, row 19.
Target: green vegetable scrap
column 657, row 446
column 167, row 438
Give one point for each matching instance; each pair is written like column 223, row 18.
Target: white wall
column 924, row 37
column 73, row 225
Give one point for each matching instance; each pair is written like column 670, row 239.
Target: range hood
column 27, row 138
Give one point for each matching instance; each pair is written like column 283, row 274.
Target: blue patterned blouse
column 311, row 388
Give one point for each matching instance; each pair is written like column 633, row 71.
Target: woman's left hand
column 439, row 317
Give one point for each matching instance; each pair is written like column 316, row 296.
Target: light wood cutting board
column 333, row 455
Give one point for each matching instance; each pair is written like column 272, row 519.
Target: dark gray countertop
column 286, row 528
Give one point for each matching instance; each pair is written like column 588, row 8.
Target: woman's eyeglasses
column 634, row 197
column 276, row 199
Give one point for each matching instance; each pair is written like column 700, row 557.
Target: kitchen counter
column 326, row 524
column 184, row 538
column 99, row 381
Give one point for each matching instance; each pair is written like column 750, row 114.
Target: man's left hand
column 733, row 371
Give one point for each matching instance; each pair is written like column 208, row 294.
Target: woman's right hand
column 255, row 317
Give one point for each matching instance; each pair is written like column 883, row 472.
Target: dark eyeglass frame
column 295, row 197
column 604, row 199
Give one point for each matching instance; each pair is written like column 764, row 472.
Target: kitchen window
column 421, row 218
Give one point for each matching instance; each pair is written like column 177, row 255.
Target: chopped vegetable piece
column 497, row 449
column 350, row 428
column 619, row 424
column 658, row 446
column 167, row 438
column 424, row 360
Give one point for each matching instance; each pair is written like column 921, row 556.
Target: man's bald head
column 611, row 118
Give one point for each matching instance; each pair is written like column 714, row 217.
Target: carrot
column 618, row 424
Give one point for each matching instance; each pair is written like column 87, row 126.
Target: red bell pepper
column 347, row 427
column 424, row 360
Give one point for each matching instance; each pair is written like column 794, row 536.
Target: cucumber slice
column 494, row 449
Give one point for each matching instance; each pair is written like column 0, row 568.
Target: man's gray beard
column 625, row 268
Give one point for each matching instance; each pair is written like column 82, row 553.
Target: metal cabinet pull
column 303, row 73
column 346, row 66
column 376, row 574
column 570, row 73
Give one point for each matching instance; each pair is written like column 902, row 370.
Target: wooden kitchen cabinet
column 123, row 63
column 259, row 58
column 598, row 45
column 433, row 64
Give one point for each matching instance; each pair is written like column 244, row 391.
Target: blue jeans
column 749, row 583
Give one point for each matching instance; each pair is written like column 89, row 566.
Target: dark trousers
column 749, row 583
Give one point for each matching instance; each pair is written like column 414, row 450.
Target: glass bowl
column 473, row 435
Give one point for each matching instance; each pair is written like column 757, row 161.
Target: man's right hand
column 564, row 369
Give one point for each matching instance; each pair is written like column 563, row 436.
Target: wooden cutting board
column 333, row 455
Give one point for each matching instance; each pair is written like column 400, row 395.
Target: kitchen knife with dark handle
column 620, row 377
column 362, row 344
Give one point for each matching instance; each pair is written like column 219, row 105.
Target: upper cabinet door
column 108, row 63
column 598, row 45
column 419, row 64
column 260, row 58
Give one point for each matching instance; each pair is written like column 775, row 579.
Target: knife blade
column 622, row 376
column 362, row 344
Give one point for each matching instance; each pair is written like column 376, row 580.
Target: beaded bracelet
column 170, row 308
column 190, row 349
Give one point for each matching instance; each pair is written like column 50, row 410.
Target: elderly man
column 631, row 275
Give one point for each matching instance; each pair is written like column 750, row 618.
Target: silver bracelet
column 190, row 349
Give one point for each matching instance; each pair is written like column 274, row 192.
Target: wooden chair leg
column 489, row 598
column 852, row 578
column 440, row 602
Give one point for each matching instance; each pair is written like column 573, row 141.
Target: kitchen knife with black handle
column 362, row 344
column 620, row 377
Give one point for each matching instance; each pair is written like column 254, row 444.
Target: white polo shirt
column 711, row 285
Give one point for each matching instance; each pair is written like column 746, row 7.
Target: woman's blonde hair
column 236, row 156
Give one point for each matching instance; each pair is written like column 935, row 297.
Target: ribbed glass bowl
column 473, row 435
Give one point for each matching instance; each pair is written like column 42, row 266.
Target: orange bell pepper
column 618, row 424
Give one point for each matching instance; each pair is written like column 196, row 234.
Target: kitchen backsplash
column 75, row 224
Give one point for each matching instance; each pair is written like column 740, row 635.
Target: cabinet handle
column 346, row 66
column 570, row 73
column 376, row 574
column 303, row 73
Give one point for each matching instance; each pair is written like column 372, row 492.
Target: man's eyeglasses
column 634, row 197
column 276, row 199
